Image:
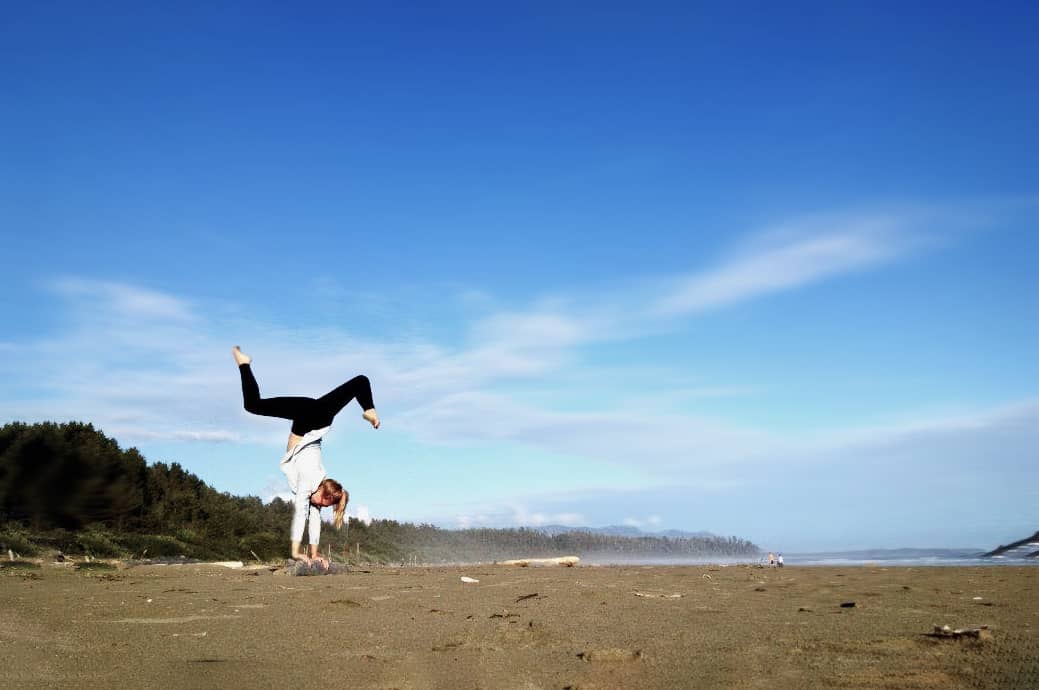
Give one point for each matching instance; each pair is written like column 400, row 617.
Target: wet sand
column 202, row 626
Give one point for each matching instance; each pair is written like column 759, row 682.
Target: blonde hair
column 334, row 489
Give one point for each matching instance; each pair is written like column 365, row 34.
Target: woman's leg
column 328, row 405
column 284, row 408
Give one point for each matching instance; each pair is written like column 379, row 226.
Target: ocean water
column 894, row 562
column 915, row 557
column 893, row 558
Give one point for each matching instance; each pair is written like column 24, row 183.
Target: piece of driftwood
column 568, row 561
column 946, row 632
column 613, row 654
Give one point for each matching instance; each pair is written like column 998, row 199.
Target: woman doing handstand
column 311, row 420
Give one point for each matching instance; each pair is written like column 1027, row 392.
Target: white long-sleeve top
column 305, row 472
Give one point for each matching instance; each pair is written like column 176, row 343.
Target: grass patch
column 151, row 545
column 17, row 541
column 95, row 566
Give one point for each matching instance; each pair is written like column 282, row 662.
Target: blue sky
column 760, row 270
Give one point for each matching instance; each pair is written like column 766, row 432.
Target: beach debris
column 567, row 561
column 848, row 605
column 947, row 632
column 234, row 565
column 526, row 596
column 977, row 598
column 707, row 577
column 174, row 620
column 652, row 595
column 804, row 609
column 198, row 634
column 760, row 589
column 504, row 615
column 346, row 602
column 469, row 580
column 613, row 654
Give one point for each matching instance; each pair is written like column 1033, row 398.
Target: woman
column 311, row 420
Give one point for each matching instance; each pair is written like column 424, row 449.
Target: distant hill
column 623, row 531
column 1025, row 548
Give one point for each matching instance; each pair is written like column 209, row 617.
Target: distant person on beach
column 771, row 559
column 311, row 420
column 779, row 560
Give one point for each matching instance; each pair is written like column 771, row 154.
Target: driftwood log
column 980, row 633
column 568, row 561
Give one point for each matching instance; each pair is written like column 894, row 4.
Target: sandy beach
column 202, row 626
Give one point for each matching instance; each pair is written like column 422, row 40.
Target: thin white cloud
column 1017, row 414
column 156, row 366
column 361, row 513
column 517, row 515
column 127, row 300
column 647, row 523
column 219, row 436
column 795, row 255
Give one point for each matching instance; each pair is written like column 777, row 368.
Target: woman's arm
column 315, row 555
column 300, row 507
column 297, row 553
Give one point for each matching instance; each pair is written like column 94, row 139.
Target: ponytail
column 340, row 509
column 336, row 492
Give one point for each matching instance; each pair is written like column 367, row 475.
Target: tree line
column 69, row 488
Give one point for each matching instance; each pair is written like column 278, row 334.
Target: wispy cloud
column 651, row 522
column 888, row 485
column 156, row 366
column 518, row 515
column 126, row 300
column 794, row 255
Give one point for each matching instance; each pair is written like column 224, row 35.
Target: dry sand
column 202, row 626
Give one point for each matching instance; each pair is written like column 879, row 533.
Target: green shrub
column 18, row 541
column 267, row 545
column 97, row 543
column 188, row 536
column 150, row 545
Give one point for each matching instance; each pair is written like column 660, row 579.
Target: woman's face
column 323, row 499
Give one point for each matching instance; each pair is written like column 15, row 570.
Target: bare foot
column 240, row 357
column 372, row 417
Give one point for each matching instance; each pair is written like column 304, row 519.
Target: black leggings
column 306, row 413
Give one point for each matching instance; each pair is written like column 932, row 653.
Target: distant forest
column 69, row 488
